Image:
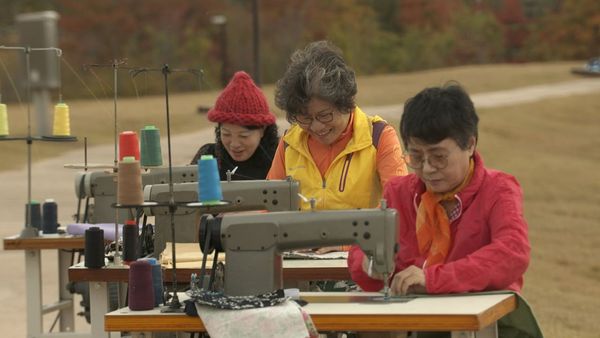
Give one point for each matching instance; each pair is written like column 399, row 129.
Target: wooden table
column 64, row 244
column 465, row 315
column 294, row 270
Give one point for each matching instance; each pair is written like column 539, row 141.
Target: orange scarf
column 433, row 225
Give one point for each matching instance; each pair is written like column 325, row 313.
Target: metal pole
column 115, row 66
column 175, row 305
column 224, row 55
column 29, row 140
column 256, row 40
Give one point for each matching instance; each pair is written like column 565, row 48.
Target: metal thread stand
column 174, row 305
column 30, row 231
column 35, row 308
column 115, row 65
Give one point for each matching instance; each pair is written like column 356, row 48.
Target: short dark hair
column 318, row 70
column 437, row 113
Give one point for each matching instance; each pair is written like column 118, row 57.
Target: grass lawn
column 94, row 118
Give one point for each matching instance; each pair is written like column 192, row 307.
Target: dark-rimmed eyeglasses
column 306, row 120
column 416, row 161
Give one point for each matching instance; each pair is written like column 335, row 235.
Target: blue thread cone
column 157, row 280
column 209, row 181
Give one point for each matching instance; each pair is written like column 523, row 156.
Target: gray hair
column 318, row 70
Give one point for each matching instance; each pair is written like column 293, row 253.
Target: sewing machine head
column 270, row 195
column 253, row 243
column 102, row 187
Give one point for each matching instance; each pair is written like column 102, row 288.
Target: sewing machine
column 253, row 242
column 101, row 186
column 270, row 195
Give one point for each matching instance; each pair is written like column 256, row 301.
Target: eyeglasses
column 416, row 161
column 306, row 120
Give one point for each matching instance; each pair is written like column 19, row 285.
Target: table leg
column 98, row 308
column 67, row 314
column 34, row 292
column 490, row 331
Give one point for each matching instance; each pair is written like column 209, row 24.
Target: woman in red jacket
column 461, row 225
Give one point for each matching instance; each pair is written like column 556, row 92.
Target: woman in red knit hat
column 246, row 133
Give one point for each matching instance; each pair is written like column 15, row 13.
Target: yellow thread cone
column 62, row 126
column 3, row 120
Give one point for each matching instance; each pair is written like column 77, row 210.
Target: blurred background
column 539, row 121
column 377, row 36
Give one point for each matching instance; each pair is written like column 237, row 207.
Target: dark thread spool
column 209, row 181
column 130, row 241
column 157, row 281
column 141, row 292
column 94, row 247
column 151, row 154
column 35, row 213
column 50, row 217
column 129, row 145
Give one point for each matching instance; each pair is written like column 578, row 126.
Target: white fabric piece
column 283, row 320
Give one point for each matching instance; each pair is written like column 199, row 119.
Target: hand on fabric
column 367, row 267
column 409, row 280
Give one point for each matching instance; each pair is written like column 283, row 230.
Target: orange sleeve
column 277, row 171
column 389, row 156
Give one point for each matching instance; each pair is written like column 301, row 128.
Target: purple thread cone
column 141, row 292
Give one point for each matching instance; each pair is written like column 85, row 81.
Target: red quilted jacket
column 490, row 248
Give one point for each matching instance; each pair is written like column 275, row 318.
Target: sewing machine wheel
column 209, row 234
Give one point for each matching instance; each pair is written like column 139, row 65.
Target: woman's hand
column 367, row 266
column 409, row 280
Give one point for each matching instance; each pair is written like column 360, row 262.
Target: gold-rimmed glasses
column 306, row 120
column 416, row 161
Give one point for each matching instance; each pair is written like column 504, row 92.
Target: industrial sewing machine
column 270, row 195
column 253, row 243
column 101, row 186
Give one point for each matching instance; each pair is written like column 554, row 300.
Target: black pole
column 224, row 55
column 175, row 305
column 256, row 41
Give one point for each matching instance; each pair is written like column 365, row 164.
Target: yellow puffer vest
column 351, row 181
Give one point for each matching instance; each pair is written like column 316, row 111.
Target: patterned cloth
column 221, row 301
column 267, row 315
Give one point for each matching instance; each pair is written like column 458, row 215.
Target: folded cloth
column 78, row 229
column 188, row 256
column 286, row 319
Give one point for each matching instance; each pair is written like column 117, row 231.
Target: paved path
column 51, row 180
column 511, row 96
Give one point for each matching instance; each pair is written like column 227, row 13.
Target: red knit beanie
column 242, row 103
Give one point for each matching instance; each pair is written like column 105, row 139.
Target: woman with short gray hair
column 341, row 156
